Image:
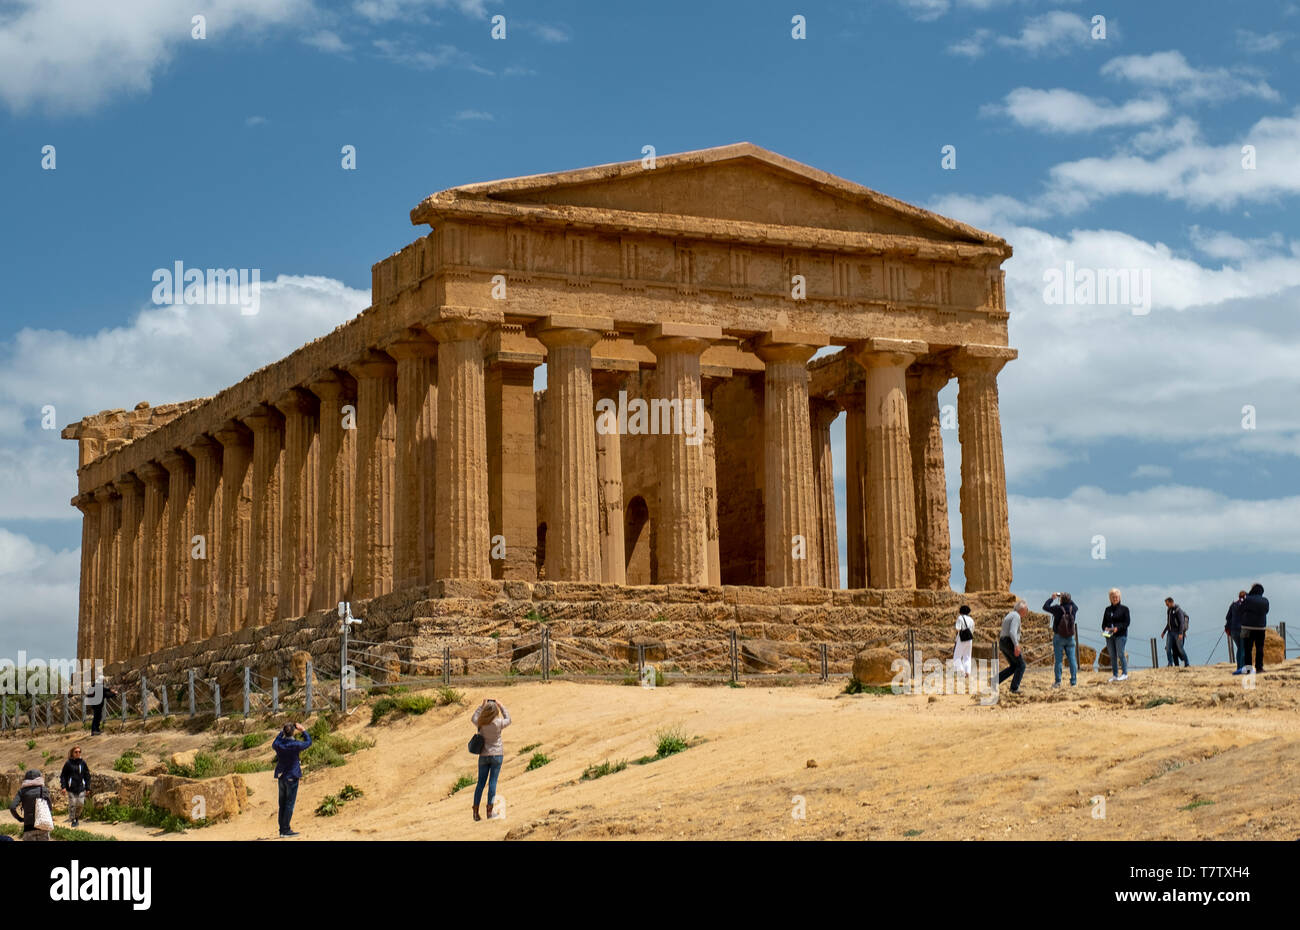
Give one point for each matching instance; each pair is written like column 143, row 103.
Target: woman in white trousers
column 962, row 646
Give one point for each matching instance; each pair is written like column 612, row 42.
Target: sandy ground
column 1222, row 762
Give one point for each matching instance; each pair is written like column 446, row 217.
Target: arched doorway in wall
column 636, row 542
column 541, row 552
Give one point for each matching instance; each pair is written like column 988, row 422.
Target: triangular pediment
column 741, row 182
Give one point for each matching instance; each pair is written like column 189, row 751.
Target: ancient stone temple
column 683, row 437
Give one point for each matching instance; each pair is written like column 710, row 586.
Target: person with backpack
column 1114, row 626
column 491, row 718
column 288, row 770
column 75, row 781
column 37, row 817
column 1232, row 626
column 965, row 641
column 1253, row 614
column 1176, row 623
column 1063, row 630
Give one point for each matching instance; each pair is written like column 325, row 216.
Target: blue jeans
column 489, row 767
column 1116, row 647
column 1235, row 636
column 1174, row 650
column 288, row 797
column 1065, row 644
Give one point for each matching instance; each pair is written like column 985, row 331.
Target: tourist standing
column 75, row 781
column 98, row 695
column 1063, row 630
column 1174, row 633
column 29, row 793
column 1009, row 643
column 491, row 718
column 1114, row 626
column 288, row 770
column 961, row 649
column 1253, row 614
column 1232, row 626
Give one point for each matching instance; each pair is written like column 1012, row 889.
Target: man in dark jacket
column 1114, row 626
column 98, row 695
column 1174, row 633
column 1063, row 617
column 1253, row 614
column 75, row 781
column 288, row 770
column 33, row 787
column 1232, row 626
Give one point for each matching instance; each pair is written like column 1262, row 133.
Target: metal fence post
column 1232, row 651
column 446, row 665
column 191, row 677
column 343, row 670
column 123, row 707
column 247, row 680
column 310, row 676
column 144, row 698
column 216, row 698
column 275, row 694
column 546, row 654
column 1155, row 660
column 65, row 710
column 640, row 662
column 826, row 665
column 1281, row 628
column 735, row 664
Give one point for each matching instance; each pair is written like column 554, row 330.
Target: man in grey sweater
column 1009, row 643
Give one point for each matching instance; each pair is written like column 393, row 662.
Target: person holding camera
column 491, row 718
column 288, row 770
column 1063, row 629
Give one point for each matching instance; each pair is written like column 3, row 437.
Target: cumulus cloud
column 41, row 588
column 165, row 354
column 1172, row 72
column 385, row 11
column 1057, row 32
column 75, row 55
column 1066, row 111
column 327, row 41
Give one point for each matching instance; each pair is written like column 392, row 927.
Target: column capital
column 980, row 359
column 84, row 502
column 152, row 474
column 571, row 329
column 203, row 445
column 332, row 383
column 851, row 400
column 691, row 338
column 822, row 411
column 233, row 433
column 106, row 495
column 787, row 346
column 128, row 484
column 889, row 353
column 262, row 418
column 459, row 329
column 175, row 460
column 931, row 373
column 298, row 400
column 414, row 344
column 372, row 364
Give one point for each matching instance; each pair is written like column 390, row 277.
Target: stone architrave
column 129, row 564
column 336, row 493
column 176, row 550
column 462, row 545
column 376, row 375
column 154, row 548
column 855, row 491
column 236, row 525
column 929, row 483
column 301, row 412
column 106, row 572
column 573, row 551
column 267, row 426
column 985, row 532
column 205, row 572
column 891, row 502
column 682, row 541
column 86, row 593
column 792, row 534
column 609, row 476
column 821, row 414
column 416, row 451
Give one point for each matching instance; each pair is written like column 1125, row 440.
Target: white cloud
column 1222, row 245
column 473, row 115
column 75, row 55
column 1152, row 471
column 1171, row 71
column 417, row 56
column 328, row 42
column 1256, row 43
column 41, row 588
column 1066, row 111
column 384, row 11
column 256, row 121
column 1058, row 32
column 165, row 354
column 928, row 10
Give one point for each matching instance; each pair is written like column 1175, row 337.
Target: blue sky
column 1122, row 152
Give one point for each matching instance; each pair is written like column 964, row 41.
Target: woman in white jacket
column 965, row 640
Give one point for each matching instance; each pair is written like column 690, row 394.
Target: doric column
column 512, row 461
column 106, row 573
column 414, row 515
column 609, row 477
column 792, row 551
column 682, row 538
column 461, row 546
column 986, row 536
column 153, row 529
column 301, row 412
column 336, row 493
column 236, row 525
column 712, row 548
column 267, row 426
column 376, row 375
column 129, row 565
column 821, row 414
column 205, row 564
column 86, row 602
column 573, row 532
column 176, row 552
column 930, row 486
column 891, row 503
column 855, row 476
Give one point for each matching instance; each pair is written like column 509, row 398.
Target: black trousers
column 1255, row 639
column 96, row 715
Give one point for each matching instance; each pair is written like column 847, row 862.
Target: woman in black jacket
column 1253, row 616
column 75, row 780
column 33, row 787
